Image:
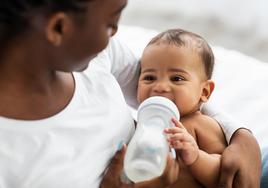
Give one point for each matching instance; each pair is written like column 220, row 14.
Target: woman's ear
column 58, row 26
column 207, row 90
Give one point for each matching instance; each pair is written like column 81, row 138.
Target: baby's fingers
column 176, row 144
column 177, row 137
column 173, row 130
column 177, row 123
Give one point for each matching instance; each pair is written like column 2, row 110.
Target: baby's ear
column 207, row 90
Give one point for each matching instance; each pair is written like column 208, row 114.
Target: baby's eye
column 176, row 78
column 149, row 77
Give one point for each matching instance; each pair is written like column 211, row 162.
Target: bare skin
column 44, row 92
column 199, row 143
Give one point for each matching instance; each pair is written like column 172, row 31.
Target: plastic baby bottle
column 146, row 155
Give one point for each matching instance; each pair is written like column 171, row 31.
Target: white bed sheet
column 241, row 82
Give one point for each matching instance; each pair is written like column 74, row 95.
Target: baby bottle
column 146, row 155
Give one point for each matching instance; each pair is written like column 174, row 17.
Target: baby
column 178, row 65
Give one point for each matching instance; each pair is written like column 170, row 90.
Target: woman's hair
column 16, row 14
column 187, row 39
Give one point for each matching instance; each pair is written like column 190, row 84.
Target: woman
column 58, row 128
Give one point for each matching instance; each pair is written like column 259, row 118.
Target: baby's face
column 173, row 72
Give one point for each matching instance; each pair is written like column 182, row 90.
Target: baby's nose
column 161, row 87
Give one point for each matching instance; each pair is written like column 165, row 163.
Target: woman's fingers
column 112, row 177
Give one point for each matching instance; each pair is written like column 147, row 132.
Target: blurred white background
column 234, row 24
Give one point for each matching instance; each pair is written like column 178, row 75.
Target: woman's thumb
column 117, row 162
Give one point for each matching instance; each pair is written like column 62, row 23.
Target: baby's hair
column 182, row 38
column 16, row 14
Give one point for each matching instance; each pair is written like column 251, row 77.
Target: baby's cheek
column 139, row 94
column 143, row 91
column 181, row 106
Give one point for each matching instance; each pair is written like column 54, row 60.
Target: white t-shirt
column 72, row 148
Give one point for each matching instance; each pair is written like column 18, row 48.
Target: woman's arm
column 125, row 67
column 241, row 162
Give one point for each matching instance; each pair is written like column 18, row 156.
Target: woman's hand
column 171, row 173
column 241, row 162
column 112, row 178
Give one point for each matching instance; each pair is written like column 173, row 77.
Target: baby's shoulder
column 197, row 120
column 208, row 133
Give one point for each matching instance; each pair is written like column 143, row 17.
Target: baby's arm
column 203, row 166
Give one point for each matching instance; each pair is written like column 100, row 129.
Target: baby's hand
column 183, row 142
